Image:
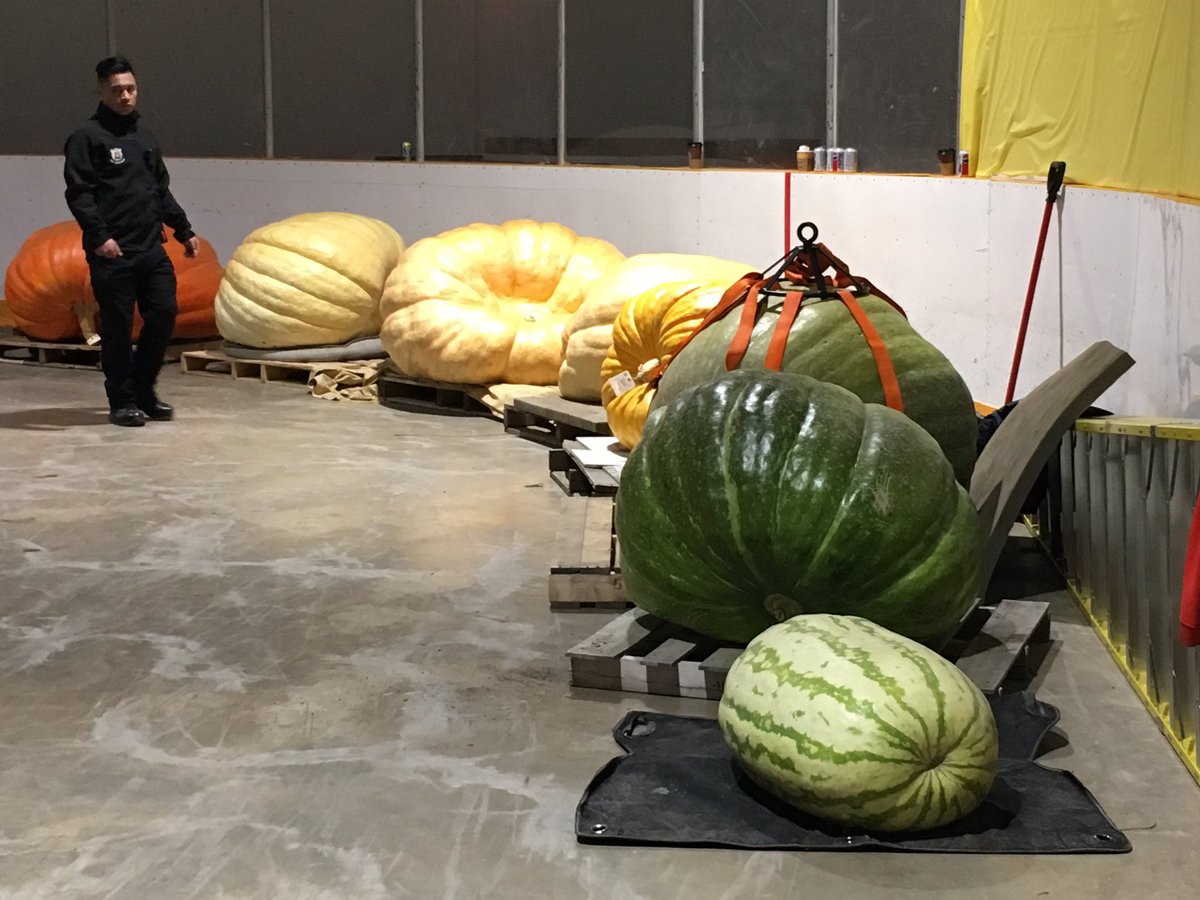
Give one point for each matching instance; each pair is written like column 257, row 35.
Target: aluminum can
column 406, row 152
column 964, row 163
column 820, row 160
column 850, row 160
column 835, row 159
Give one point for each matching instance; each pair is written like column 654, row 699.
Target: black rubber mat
column 678, row 785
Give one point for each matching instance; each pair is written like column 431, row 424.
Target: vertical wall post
column 962, row 27
column 562, row 82
column 110, row 22
column 831, row 73
column 419, row 47
column 698, row 71
column 268, row 83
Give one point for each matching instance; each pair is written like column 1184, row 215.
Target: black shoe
column 156, row 410
column 127, row 417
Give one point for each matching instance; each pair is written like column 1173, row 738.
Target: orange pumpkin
column 50, row 297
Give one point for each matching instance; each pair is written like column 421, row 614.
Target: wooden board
column 438, row 397
column 1002, row 647
column 215, row 364
column 575, row 478
column 587, row 576
column 586, row 588
column 551, row 420
column 17, row 349
column 640, row 653
column 1029, row 437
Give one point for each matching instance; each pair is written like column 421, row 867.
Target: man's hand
column 109, row 249
column 191, row 246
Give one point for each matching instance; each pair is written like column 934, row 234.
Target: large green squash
column 826, row 343
column 860, row 726
column 761, row 495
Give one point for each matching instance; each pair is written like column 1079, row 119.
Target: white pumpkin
column 307, row 280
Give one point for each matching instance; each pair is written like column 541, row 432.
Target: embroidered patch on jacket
column 117, row 155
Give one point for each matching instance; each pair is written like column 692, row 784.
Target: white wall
column 955, row 253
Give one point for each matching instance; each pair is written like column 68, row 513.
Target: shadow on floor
column 54, row 418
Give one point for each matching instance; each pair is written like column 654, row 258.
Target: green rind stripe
column 862, row 659
column 924, row 789
column 767, row 659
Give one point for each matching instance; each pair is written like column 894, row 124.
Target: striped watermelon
column 852, row 723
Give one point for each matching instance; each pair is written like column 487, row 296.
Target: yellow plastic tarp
column 1111, row 87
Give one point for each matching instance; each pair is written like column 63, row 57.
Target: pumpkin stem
column 781, row 606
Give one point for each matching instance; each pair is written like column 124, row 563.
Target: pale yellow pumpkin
column 588, row 336
column 307, row 280
column 487, row 304
column 649, row 330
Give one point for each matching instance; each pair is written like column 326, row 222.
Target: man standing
column 118, row 190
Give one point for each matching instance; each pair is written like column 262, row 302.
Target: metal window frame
column 698, row 20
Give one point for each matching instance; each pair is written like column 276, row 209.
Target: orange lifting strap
column 746, row 291
column 803, row 266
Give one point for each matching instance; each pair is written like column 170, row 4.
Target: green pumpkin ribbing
column 762, row 485
column 826, row 343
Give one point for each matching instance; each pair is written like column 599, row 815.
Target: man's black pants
column 145, row 280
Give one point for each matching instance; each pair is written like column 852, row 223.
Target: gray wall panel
column 343, row 76
column 49, row 83
column 200, row 73
column 629, row 81
column 764, row 80
column 491, row 79
column 898, row 82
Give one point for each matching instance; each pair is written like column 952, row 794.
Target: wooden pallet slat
column 551, row 420
column 588, row 577
column 640, row 653
column 419, row 395
column 575, row 478
column 216, row 364
column 17, row 349
column 1002, row 646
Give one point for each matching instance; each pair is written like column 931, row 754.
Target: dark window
column 764, row 80
column 200, row 73
column 49, row 85
column 491, row 80
column 344, row 77
column 629, row 81
column 898, row 82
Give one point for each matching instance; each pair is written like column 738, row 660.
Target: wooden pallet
column 215, row 364
column 589, row 574
column 438, row 397
column 552, row 420
column 640, row 653
column 575, row 478
column 17, row 349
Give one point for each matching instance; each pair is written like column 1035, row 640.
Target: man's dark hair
column 112, row 65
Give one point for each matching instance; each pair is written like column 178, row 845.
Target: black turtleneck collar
column 115, row 122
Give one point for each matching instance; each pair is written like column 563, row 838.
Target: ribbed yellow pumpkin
column 649, row 330
column 307, row 280
column 588, row 336
column 487, row 304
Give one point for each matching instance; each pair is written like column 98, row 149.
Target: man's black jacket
column 117, row 184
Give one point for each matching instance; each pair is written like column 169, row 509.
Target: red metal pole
column 1054, row 181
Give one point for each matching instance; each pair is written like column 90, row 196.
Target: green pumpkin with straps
column 813, row 317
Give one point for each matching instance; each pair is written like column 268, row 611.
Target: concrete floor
column 288, row 648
